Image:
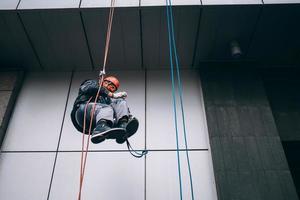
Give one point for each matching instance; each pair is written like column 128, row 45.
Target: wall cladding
column 70, row 34
column 50, row 149
column 248, row 157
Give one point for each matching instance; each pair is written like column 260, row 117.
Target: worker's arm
column 90, row 88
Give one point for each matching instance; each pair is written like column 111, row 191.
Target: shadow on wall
column 282, row 87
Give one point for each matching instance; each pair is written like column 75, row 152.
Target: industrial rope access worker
column 112, row 118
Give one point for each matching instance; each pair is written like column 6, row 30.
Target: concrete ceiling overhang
column 70, row 34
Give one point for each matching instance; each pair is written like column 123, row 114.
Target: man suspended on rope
column 112, row 118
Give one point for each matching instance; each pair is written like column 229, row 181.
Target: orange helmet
column 113, row 80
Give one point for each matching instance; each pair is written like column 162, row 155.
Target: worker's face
column 109, row 86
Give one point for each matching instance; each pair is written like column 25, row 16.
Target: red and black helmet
column 113, row 80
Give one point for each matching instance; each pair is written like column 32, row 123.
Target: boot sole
column 109, row 134
column 131, row 129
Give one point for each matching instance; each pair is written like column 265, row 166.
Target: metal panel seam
column 141, row 38
column 30, row 41
column 18, row 4
column 197, row 38
column 87, row 41
column 254, row 30
column 62, row 125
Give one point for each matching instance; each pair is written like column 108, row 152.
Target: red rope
column 84, row 152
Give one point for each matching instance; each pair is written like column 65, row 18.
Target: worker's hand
column 118, row 95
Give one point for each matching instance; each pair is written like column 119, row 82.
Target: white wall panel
column 162, row 182
column 111, row 176
column 133, row 83
column 48, row 4
column 38, row 114
column 8, row 4
column 25, row 175
column 281, row 1
column 173, row 2
column 160, row 116
column 107, row 3
column 229, row 2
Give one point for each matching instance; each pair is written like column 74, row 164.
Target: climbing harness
column 84, row 152
column 172, row 50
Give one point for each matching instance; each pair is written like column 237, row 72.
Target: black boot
column 104, row 131
column 130, row 125
column 100, row 131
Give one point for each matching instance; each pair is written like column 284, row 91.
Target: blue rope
column 181, row 97
column 174, row 99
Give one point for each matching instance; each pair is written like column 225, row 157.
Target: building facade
column 239, row 64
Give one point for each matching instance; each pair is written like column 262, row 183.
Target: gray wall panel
column 154, row 27
column 4, row 99
column 25, row 175
column 219, row 26
column 125, row 43
column 58, row 38
column 16, row 50
column 38, row 113
column 155, row 35
column 7, row 80
column 282, row 89
column 276, row 38
column 285, row 179
column 247, row 152
column 10, row 84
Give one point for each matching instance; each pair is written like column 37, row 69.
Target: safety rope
column 101, row 77
column 174, row 102
column 172, row 45
column 83, row 152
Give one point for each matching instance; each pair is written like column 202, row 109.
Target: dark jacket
column 88, row 89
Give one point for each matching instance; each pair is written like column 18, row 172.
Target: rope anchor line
column 173, row 50
column 84, row 152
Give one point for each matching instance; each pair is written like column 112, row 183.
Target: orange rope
column 111, row 15
column 82, row 150
column 84, row 153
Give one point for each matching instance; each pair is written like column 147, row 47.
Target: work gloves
column 118, row 95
